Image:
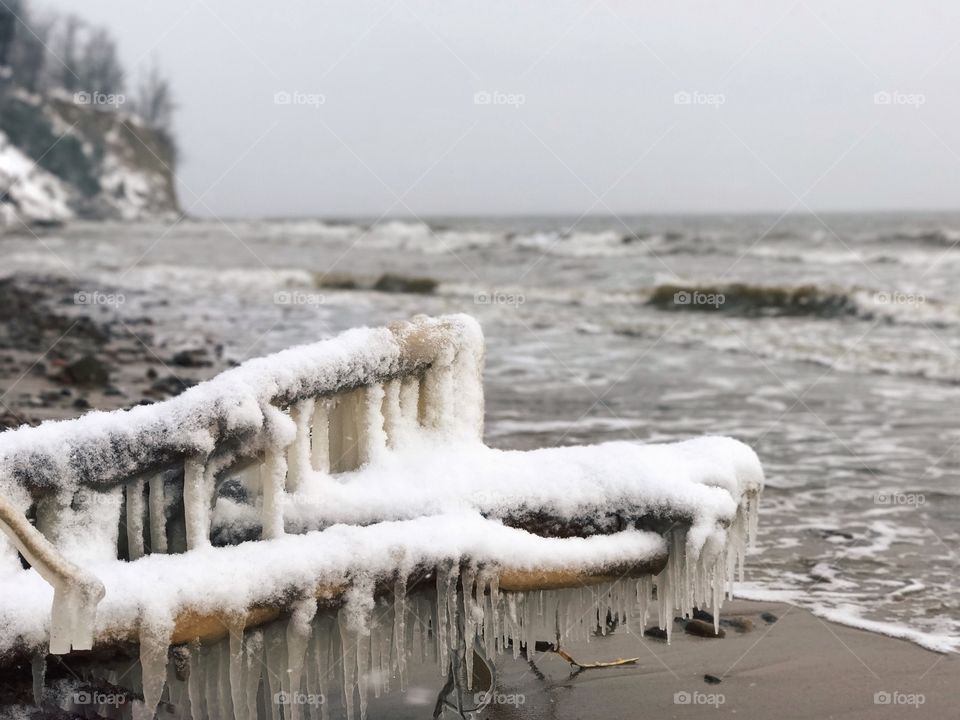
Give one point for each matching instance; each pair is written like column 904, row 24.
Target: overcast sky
column 583, row 111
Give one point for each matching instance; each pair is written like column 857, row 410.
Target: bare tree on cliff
column 67, row 47
column 100, row 69
column 154, row 101
column 27, row 53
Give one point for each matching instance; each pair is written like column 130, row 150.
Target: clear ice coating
column 302, row 666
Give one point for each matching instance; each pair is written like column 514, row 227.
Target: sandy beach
column 796, row 667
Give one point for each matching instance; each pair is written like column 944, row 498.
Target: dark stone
column 88, row 371
column 699, row 614
column 400, row 284
column 711, row 679
column 655, row 632
column 113, row 391
column 769, row 617
column 194, row 358
column 152, row 374
column 702, row 629
column 81, row 404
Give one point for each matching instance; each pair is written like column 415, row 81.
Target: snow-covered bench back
column 330, row 407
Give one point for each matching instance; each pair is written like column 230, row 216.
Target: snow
column 401, row 483
column 34, row 194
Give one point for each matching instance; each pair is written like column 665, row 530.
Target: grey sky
column 798, row 122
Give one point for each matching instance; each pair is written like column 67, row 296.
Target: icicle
column 496, row 623
column 252, row 671
column 134, row 493
column 158, row 516
column 436, row 397
column 400, row 627
column 298, row 637
column 320, row 436
column 324, row 636
column 373, row 437
column 470, row 616
column 272, row 476
column 224, row 699
column 392, row 414
column 299, row 453
column 235, row 625
column 196, row 503
column 38, row 666
column 348, row 639
column 195, row 683
column 409, row 408
column 154, row 646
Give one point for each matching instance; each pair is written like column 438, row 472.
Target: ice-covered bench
column 337, row 471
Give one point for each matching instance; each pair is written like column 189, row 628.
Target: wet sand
column 797, row 666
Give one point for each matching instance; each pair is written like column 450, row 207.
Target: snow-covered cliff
column 64, row 157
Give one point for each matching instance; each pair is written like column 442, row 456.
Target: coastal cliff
column 68, row 156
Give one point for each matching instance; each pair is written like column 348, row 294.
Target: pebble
column 702, row 629
column 711, row 679
column 699, row 614
column 769, row 617
column 655, row 632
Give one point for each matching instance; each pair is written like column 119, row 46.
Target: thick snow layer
column 701, row 482
column 368, row 446
column 155, row 588
column 32, row 193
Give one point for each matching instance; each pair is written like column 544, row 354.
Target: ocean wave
column 937, row 237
